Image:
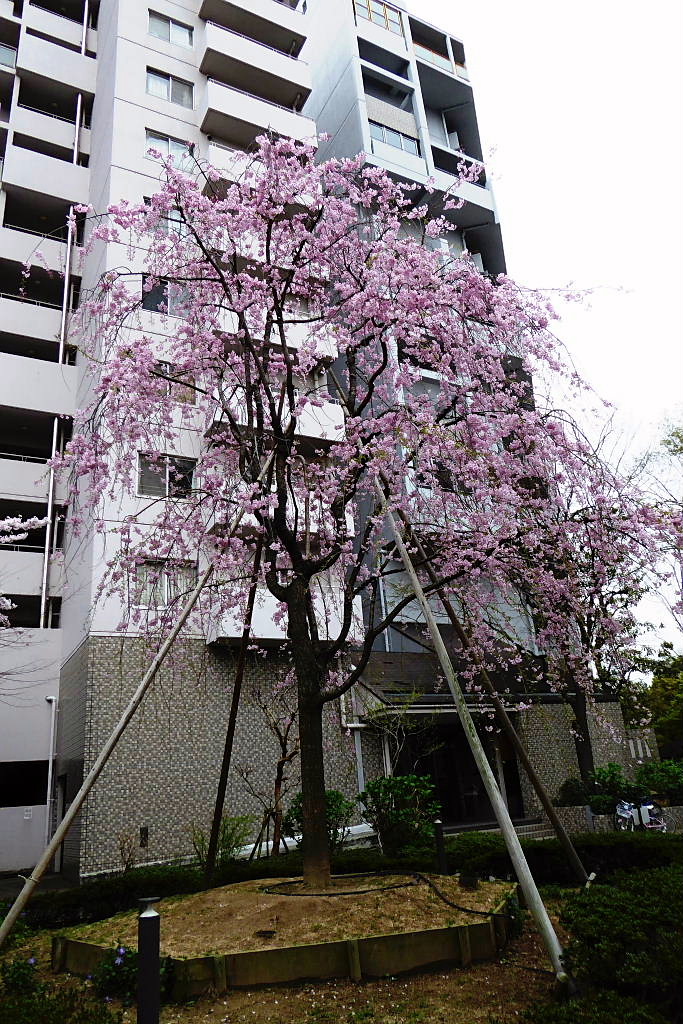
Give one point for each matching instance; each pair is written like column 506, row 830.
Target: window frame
column 171, row 22
column 366, row 8
column 170, row 80
column 168, row 460
column 384, row 128
column 168, row 584
column 157, row 140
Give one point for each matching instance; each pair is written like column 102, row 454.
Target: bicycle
column 647, row 816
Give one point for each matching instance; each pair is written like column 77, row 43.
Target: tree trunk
column 277, row 809
column 310, row 682
column 584, row 748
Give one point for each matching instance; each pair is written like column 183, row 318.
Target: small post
column 441, row 861
column 149, row 992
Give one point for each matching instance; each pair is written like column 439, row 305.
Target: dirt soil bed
column 245, row 917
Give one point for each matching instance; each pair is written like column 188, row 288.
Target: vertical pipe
column 52, row 701
column 48, row 530
column 66, row 288
column 360, row 768
column 77, row 132
column 84, row 32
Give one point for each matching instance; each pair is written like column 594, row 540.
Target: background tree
column 664, row 700
column 310, row 298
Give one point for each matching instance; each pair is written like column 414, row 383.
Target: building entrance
column 443, row 753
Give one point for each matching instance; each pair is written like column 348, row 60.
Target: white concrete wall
column 22, row 832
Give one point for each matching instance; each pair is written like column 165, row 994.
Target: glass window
column 393, row 138
column 376, row 131
column 410, row 145
column 148, row 585
column 158, row 84
column 151, row 477
column 165, row 476
column 362, row 9
column 159, row 26
column 155, row 300
column 181, row 35
column 180, row 580
column 181, row 92
column 169, row 30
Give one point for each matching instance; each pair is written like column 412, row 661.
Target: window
column 161, row 583
column 166, row 87
column 164, row 297
column 380, row 133
column 165, row 476
column 168, row 147
column 180, row 386
column 380, row 14
column 169, row 30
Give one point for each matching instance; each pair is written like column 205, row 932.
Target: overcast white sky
column 580, row 109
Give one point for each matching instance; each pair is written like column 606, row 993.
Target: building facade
column 85, row 91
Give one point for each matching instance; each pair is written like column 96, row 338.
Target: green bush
column 597, row 1008
column 485, row 854
column 402, row 810
column 19, row 975
column 573, row 793
column 233, row 834
column 626, row 936
column 602, row 804
column 51, row 1005
column 663, row 778
column 117, row 974
column 339, row 811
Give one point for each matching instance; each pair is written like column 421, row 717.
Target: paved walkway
column 11, row 885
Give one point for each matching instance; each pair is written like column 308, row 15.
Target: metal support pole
column 441, row 860
column 45, row 580
column 149, row 982
column 77, row 133
column 52, row 701
column 84, row 30
column 66, row 290
column 526, row 880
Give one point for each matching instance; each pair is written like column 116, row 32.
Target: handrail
column 25, row 298
column 47, row 113
column 428, row 54
column 48, row 10
column 49, row 236
column 25, row 458
column 255, row 96
column 21, row 547
column 258, row 42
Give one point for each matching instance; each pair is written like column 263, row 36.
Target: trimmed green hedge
column 598, row 1008
column 484, row 854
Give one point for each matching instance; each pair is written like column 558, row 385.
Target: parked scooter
column 646, row 815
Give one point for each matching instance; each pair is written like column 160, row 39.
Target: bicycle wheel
column 622, row 824
column 670, row 823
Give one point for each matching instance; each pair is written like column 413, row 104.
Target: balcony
column 31, row 317
column 241, row 62
column 38, row 385
column 327, row 603
column 266, row 21
column 21, row 572
column 46, row 175
column 75, row 69
column 25, row 477
column 68, row 30
column 51, row 128
column 239, row 117
column 324, row 423
column 8, row 56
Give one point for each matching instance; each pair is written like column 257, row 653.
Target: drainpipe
column 77, row 133
column 52, row 701
column 48, row 529
column 67, row 283
column 84, row 33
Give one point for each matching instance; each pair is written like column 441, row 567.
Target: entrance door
column 443, row 753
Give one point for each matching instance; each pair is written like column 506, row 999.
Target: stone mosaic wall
column 163, row 773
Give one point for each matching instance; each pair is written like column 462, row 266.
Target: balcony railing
column 439, row 59
column 34, row 302
column 255, row 96
column 8, row 55
column 257, row 42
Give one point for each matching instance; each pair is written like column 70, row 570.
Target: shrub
column 598, row 1008
column 117, row 974
column 664, row 778
column 338, row 813
column 602, row 804
column 485, row 854
column 234, row 833
column 626, row 936
column 19, row 975
column 402, row 810
column 573, row 793
column 52, row 1005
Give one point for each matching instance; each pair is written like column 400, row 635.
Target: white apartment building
column 85, row 90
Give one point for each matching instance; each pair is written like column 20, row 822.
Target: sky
column 580, row 110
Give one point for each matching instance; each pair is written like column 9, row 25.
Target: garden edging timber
column 373, row 956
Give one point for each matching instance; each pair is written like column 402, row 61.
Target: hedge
column 597, row 1008
column 485, row 854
